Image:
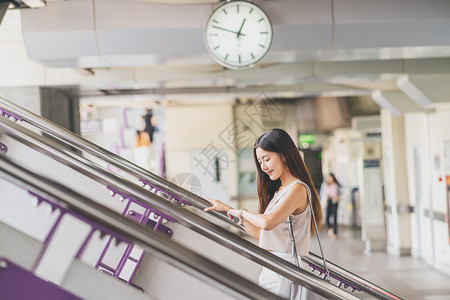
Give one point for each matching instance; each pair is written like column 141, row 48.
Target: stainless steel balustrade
column 132, row 169
column 164, row 248
column 349, row 277
column 183, row 216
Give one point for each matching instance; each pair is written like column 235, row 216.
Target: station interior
column 89, row 210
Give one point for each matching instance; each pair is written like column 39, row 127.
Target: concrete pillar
column 396, row 184
column 61, row 106
column 58, row 105
column 373, row 227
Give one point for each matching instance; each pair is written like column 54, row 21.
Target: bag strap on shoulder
column 291, row 234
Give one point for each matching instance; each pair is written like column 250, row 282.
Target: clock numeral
column 260, row 19
column 225, row 11
column 264, row 32
column 237, row 6
column 226, row 56
column 216, row 47
column 252, row 55
column 215, row 21
column 262, row 46
column 250, row 11
column 239, row 58
column 213, row 34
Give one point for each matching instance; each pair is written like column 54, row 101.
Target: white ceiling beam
column 413, row 92
column 426, row 90
column 396, row 102
column 301, row 27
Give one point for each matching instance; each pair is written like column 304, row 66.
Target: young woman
column 282, row 181
column 332, row 189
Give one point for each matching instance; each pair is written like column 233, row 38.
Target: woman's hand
column 217, row 205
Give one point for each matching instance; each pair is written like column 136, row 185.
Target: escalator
column 126, row 230
column 165, row 203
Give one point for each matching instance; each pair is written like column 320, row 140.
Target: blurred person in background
column 332, row 189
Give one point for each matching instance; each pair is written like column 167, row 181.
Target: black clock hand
column 227, row 30
column 240, row 29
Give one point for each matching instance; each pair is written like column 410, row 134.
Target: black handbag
column 297, row 291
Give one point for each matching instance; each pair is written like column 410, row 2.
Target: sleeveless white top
column 278, row 238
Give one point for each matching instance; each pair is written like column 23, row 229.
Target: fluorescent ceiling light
column 34, row 3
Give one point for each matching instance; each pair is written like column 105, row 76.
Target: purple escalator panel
column 155, row 225
column 17, row 283
column 9, row 115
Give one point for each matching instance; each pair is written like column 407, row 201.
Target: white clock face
column 238, row 34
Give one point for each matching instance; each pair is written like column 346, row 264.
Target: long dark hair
column 335, row 180
column 278, row 141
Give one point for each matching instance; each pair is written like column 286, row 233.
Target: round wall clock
column 238, row 34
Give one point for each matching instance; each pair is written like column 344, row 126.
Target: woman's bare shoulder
column 298, row 189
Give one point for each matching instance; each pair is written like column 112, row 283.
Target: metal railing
column 198, row 202
column 345, row 277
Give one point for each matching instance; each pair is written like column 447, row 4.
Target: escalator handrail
column 349, row 277
column 185, row 217
column 82, row 144
column 164, row 248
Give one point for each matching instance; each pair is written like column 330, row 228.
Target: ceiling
column 320, row 48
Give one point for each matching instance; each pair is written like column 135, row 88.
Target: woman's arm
column 220, row 206
column 293, row 203
column 248, row 226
